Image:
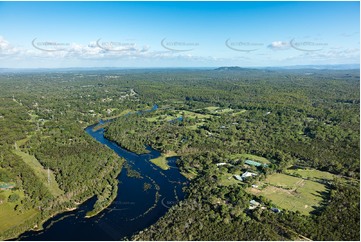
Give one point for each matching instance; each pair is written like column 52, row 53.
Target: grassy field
column 118, row 115
column 239, row 112
column 212, row 108
column 226, row 179
column 283, row 180
column 225, row 110
column 312, row 174
column 161, row 161
column 8, row 216
column 192, row 115
column 291, row 193
column 219, row 110
column 177, row 114
column 249, row 156
column 40, row 172
column 23, row 141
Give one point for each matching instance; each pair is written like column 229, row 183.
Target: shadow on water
column 134, row 209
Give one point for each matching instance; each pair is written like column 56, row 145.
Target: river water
column 134, row 208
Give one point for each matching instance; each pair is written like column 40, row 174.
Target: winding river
column 134, row 209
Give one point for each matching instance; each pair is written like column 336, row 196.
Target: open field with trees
column 291, row 193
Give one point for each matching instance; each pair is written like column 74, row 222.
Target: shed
column 238, row 177
column 248, row 174
column 253, row 204
column 6, row 186
column 254, row 163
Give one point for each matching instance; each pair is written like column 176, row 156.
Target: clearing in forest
column 312, row 174
column 9, row 216
column 44, row 175
column 161, row 161
column 251, row 157
column 291, row 193
column 122, row 113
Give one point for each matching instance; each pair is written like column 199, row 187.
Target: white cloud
column 347, row 35
column 333, row 56
column 279, row 45
column 6, row 49
column 94, row 54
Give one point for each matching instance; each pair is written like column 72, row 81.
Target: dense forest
column 293, row 121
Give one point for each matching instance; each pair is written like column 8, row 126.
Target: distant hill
column 231, row 68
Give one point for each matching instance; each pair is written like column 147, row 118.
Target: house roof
column 254, row 163
column 6, row 185
column 248, row 174
column 254, row 202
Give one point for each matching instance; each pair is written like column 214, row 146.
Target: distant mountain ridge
column 295, row 67
column 232, row 68
column 223, row 68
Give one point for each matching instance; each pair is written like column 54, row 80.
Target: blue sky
column 178, row 34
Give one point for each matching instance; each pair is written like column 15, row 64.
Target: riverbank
column 38, row 222
column 34, row 224
column 130, row 207
column 112, row 197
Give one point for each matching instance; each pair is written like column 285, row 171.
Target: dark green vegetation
column 46, row 153
column 289, row 118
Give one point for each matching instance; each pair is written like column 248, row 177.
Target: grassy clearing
column 227, row 179
column 41, row 172
column 161, row 161
column 283, row 180
column 249, row 156
column 176, row 114
column 162, row 117
column 291, row 193
column 226, row 110
column 193, row 115
column 239, row 112
column 312, row 174
column 8, row 216
column 124, row 112
column 212, row 108
column 219, row 110
column 23, row 141
column 189, row 174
